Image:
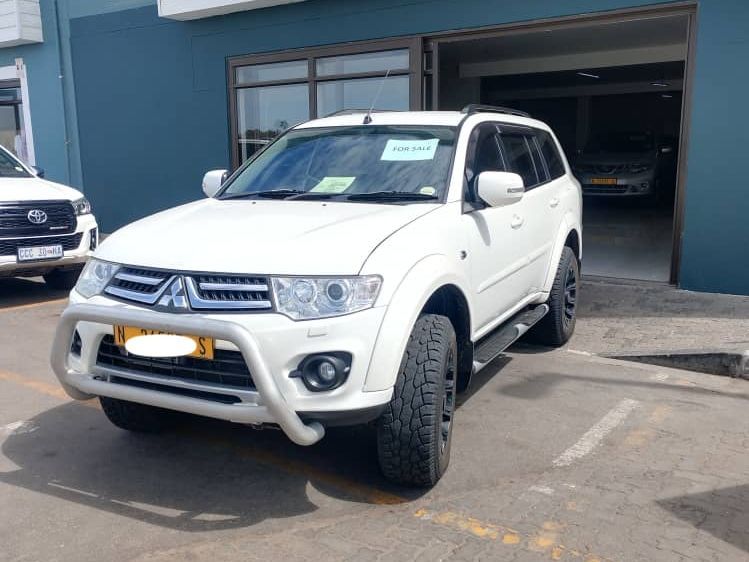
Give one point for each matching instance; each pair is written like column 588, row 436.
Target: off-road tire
column 557, row 327
column 414, row 433
column 139, row 418
column 62, row 279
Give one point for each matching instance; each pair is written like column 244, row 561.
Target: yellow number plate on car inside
column 603, row 181
column 203, row 345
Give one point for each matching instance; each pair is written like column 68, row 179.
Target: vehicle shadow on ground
column 714, row 512
column 206, row 475
column 21, row 292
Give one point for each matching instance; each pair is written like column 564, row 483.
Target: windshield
column 352, row 163
column 10, row 168
column 621, row 142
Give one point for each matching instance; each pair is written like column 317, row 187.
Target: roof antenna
column 368, row 116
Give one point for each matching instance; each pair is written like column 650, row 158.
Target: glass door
column 12, row 133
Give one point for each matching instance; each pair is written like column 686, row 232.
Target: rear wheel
column 62, row 279
column 414, row 434
column 135, row 417
column 557, row 327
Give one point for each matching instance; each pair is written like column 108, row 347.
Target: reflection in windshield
column 357, row 160
column 10, row 168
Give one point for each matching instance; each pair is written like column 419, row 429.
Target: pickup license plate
column 203, row 346
column 603, row 181
column 37, row 253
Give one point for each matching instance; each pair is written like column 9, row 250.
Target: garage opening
column 612, row 90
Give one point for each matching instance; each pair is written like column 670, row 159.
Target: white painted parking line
column 595, row 434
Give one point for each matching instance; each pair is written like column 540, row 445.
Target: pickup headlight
column 82, row 206
column 302, row 298
column 95, row 277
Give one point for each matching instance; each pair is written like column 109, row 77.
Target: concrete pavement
column 556, row 456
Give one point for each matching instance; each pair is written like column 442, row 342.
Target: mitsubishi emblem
column 174, row 298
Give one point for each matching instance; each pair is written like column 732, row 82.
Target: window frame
column 557, row 152
column 311, row 55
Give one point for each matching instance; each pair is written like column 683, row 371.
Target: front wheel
column 414, row 434
column 62, row 279
column 139, row 418
column 557, row 327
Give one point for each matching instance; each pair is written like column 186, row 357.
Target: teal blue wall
column 42, row 62
column 152, row 101
column 716, row 231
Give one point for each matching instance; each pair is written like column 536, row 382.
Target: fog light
column 325, row 371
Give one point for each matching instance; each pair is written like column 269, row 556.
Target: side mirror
column 498, row 189
column 213, row 181
column 38, row 171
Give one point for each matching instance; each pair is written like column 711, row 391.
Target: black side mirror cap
column 38, row 171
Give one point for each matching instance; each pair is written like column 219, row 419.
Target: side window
column 484, row 155
column 551, row 154
column 519, row 158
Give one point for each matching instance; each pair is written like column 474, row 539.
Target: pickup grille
column 10, row 247
column 227, row 368
column 203, row 291
column 14, row 219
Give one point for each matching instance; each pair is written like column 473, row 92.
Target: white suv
column 45, row 228
column 358, row 269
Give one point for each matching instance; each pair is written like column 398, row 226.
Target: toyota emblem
column 37, row 216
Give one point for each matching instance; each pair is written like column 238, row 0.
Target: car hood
column 35, row 189
column 260, row 237
column 615, row 158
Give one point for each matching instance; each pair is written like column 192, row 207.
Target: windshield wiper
column 269, row 194
column 392, row 196
column 314, row 195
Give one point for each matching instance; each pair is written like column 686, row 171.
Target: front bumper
column 632, row 185
column 271, row 346
column 76, row 257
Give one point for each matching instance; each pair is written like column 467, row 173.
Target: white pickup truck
column 359, row 269
column 45, row 228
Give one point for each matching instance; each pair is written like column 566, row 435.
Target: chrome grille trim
column 124, row 276
column 232, row 287
column 145, row 298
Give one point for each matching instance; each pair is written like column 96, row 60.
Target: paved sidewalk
column 623, row 317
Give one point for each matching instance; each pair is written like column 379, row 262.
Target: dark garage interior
column 612, row 92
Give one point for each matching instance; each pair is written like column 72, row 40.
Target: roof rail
column 356, row 111
column 478, row 108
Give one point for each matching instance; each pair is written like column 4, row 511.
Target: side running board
column 505, row 335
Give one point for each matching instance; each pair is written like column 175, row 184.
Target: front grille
column 227, row 368
column 10, row 247
column 212, row 292
column 228, row 292
column 14, row 218
column 137, row 284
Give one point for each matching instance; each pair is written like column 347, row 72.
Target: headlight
column 302, row 298
column 95, row 277
column 82, row 206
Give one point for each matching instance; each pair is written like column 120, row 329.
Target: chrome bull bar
column 82, row 386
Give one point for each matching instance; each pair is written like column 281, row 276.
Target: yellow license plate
column 203, row 345
column 603, row 181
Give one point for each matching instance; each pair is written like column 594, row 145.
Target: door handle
column 554, row 202
column 517, row 221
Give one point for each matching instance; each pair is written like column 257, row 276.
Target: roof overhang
column 20, row 23
column 196, row 9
